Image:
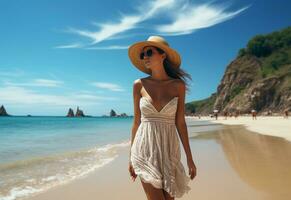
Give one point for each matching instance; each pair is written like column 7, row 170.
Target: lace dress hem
column 176, row 185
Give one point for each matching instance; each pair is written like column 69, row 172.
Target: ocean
column 37, row 153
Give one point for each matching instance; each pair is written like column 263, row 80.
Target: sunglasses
column 148, row 53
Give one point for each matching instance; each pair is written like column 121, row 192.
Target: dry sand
column 275, row 126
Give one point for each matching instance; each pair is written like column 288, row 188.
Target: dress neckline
column 148, row 100
column 163, row 107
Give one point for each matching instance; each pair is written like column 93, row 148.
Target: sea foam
column 29, row 177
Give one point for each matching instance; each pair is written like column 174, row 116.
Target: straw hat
column 134, row 52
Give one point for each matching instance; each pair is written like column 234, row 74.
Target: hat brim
column 134, row 54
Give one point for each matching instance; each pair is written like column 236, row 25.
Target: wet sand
column 232, row 163
column 244, row 164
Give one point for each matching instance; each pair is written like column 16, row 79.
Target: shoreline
column 266, row 125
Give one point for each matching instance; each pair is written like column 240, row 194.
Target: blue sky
column 56, row 54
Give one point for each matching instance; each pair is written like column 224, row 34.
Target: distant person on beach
column 254, row 114
column 225, row 115
column 159, row 103
column 286, row 114
column 236, row 114
column 216, row 115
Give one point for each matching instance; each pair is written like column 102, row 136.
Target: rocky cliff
column 259, row 78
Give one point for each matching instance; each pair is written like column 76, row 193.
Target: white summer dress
column 155, row 151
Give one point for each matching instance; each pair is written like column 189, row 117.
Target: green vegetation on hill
column 274, row 50
column 276, row 63
column 264, row 45
column 201, row 106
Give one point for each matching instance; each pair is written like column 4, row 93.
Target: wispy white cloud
column 193, row 17
column 11, row 73
column 110, row 30
column 69, row 46
column 47, row 83
column 108, row 47
column 105, row 32
column 15, row 95
column 152, row 8
column 108, row 86
column 20, row 95
column 36, row 83
column 185, row 19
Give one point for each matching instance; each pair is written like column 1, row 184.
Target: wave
column 29, row 177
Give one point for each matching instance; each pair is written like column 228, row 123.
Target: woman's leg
column 168, row 196
column 152, row 192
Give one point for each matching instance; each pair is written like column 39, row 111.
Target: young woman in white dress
column 159, row 93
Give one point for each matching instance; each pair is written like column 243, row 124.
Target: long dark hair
column 175, row 72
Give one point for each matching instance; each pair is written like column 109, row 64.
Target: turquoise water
column 37, row 153
column 26, row 137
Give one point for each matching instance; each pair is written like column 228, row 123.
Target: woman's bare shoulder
column 180, row 86
column 139, row 82
column 137, row 85
column 145, row 78
column 179, row 83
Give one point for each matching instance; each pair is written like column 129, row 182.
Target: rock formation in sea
column 123, row 115
column 79, row 113
column 258, row 78
column 3, row 111
column 112, row 113
column 70, row 113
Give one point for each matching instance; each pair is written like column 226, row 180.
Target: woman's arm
column 180, row 120
column 137, row 114
column 182, row 129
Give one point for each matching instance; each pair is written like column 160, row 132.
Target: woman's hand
column 131, row 171
column 192, row 168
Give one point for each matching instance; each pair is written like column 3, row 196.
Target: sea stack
column 70, row 113
column 79, row 113
column 112, row 113
column 3, row 111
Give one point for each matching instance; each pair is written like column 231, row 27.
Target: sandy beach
column 274, row 126
column 232, row 163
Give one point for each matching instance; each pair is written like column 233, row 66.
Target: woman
column 158, row 110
